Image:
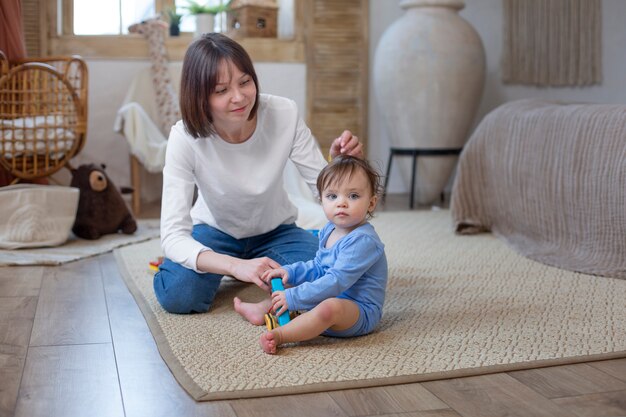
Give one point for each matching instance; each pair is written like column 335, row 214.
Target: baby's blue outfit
column 354, row 268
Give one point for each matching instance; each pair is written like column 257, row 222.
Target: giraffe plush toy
column 167, row 100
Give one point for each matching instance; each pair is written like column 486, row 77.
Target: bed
column 550, row 179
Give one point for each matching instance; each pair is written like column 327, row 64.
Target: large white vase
column 429, row 74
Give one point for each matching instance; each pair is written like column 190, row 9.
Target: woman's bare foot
column 268, row 342
column 253, row 312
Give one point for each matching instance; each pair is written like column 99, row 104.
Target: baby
column 343, row 287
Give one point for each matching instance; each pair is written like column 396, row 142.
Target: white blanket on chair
column 146, row 141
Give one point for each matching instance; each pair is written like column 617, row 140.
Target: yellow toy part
column 271, row 321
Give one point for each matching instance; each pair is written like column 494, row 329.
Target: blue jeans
column 182, row 290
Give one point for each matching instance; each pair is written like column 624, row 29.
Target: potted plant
column 205, row 14
column 174, row 21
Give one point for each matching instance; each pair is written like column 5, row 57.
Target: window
column 109, row 17
column 113, row 17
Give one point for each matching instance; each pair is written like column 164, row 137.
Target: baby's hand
column 279, row 302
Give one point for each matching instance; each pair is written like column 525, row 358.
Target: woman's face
column 233, row 98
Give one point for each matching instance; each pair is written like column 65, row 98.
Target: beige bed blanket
column 550, row 179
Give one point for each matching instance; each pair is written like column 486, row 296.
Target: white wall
column 110, row 79
column 486, row 17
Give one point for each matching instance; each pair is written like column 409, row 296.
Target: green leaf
column 194, row 7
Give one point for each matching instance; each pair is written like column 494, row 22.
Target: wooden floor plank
column 606, row 404
column 493, row 396
column 12, row 360
column 148, row 387
column 386, row 400
column 71, row 306
column 70, row 381
column 22, row 281
column 616, row 368
column 568, row 380
column 16, row 320
column 16, row 323
column 305, row 405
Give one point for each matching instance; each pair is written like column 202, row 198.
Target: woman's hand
column 276, row 273
column 252, row 270
column 346, row 144
column 279, row 302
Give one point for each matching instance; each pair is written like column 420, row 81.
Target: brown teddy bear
column 101, row 208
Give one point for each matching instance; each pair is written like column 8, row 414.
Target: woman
column 232, row 144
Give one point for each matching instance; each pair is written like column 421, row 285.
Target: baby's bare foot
column 268, row 343
column 253, row 312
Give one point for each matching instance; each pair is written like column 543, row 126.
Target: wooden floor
column 74, row 343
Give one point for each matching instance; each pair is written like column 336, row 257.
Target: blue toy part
column 277, row 285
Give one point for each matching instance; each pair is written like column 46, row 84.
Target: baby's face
column 346, row 202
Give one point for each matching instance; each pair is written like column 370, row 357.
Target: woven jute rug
column 455, row 306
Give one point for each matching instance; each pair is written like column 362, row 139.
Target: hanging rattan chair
column 43, row 114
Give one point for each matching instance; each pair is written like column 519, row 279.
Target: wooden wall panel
column 337, row 68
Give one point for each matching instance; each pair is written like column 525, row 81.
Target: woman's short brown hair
column 199, row 78
column 343, row 167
